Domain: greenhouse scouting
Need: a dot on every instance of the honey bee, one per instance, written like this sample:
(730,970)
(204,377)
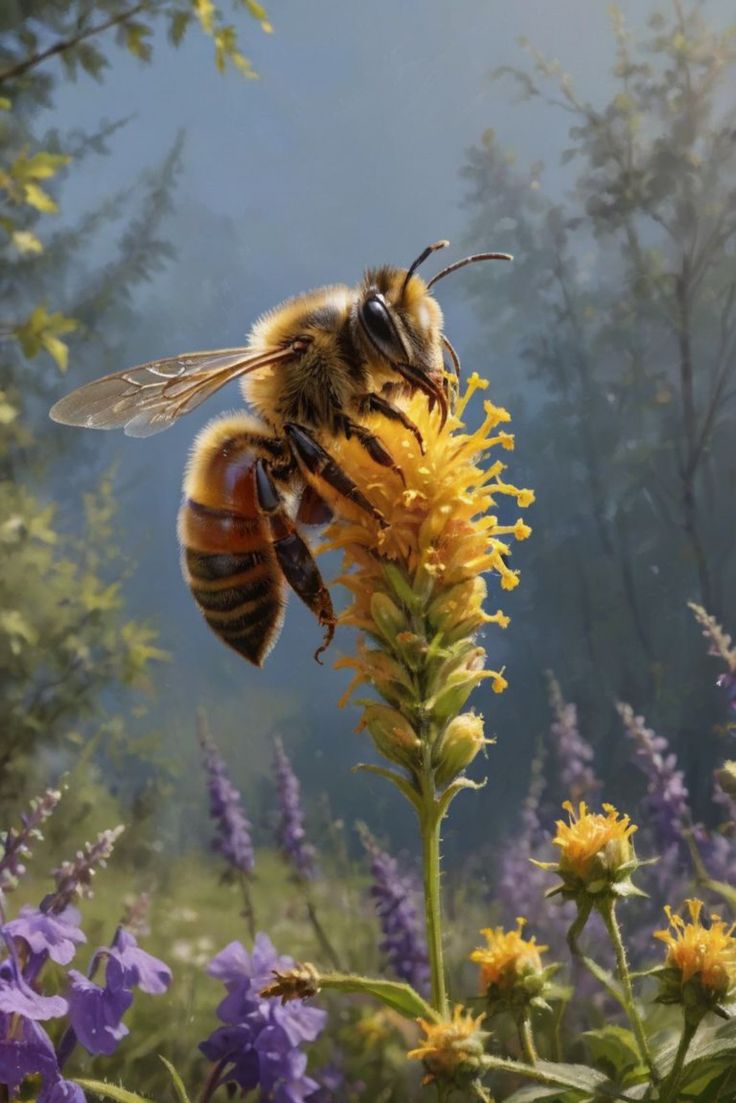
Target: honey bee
(313,368)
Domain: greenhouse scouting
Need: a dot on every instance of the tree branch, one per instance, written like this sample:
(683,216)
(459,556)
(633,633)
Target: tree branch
(65,44)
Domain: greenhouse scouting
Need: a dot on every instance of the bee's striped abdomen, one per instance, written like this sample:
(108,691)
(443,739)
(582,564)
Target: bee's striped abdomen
(227,555)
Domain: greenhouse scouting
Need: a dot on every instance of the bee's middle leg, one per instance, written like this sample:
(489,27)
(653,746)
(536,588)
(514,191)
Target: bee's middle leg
(293,555)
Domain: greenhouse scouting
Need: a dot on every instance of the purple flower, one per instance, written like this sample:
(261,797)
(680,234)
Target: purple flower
(574,754)
(62,1091)
(292,837)
(233,838)
(667,795)
(25,1050)
(55,934)
(17,844)
(96,1013)
(18,998)
(259,1044)
(395,894)
(140,969)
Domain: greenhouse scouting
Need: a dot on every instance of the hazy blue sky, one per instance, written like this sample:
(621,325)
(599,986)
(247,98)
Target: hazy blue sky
(345,153)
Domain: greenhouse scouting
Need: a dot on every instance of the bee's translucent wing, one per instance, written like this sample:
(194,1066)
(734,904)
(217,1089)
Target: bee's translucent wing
(149,398)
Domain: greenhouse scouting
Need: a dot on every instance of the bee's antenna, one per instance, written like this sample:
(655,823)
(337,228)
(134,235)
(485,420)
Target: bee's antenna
(467,260)
(420,260)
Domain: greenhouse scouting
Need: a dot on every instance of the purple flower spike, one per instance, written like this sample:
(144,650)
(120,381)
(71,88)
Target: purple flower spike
(96,1013)
(574,754)
(17,844)
(74,879)
(667,795)
(56,934)
(233,838)
(292,837)
(140,969)
(259,1045)
(395,895)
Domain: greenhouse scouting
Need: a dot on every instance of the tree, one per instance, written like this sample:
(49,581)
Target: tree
(624,295)
(67,650)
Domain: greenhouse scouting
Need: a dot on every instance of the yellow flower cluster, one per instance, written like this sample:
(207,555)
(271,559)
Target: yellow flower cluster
(696,951)
(452,1047)
(508,957)
(590,836)
(417,579)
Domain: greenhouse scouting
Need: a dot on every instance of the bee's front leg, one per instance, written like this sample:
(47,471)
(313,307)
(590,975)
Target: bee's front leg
(377,404)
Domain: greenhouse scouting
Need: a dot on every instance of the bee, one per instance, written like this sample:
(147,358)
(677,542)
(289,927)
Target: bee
(312,370)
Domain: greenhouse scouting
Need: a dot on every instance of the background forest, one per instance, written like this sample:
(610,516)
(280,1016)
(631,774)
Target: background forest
(156,197)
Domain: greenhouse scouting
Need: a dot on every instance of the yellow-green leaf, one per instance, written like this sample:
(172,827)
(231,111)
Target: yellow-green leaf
(26,242)
(36,197)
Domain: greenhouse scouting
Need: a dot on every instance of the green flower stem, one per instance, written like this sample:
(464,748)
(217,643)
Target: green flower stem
(601,975)
(248,913)
(430,820)
(526,1037)
(614,931)
(670,1088)
(323,938)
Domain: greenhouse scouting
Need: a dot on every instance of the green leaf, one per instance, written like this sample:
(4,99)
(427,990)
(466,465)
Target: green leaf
(181,1092)
(615,1046)
(178,26)
(111,1091)
(394,994)
(136,35)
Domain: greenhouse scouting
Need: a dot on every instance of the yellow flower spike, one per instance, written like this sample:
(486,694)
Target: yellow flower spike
(442,533)
(452,1048)
(700,963)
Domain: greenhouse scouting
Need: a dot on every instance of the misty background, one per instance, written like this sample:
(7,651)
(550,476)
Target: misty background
(353,148)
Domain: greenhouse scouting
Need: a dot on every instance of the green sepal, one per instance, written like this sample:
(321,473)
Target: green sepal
(111,1091)
(176,1080)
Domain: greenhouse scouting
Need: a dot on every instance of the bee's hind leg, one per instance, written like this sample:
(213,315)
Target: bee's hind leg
(294,557)
(314,460)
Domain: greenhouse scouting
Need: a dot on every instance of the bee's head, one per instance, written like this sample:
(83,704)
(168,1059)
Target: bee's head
(399,319)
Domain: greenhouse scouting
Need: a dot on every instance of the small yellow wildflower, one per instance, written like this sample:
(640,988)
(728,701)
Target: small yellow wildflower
(590,836)
(451,1049)
(705,954)
(508,957)
(597,855)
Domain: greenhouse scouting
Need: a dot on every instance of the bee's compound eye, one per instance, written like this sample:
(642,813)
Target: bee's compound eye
(377,321)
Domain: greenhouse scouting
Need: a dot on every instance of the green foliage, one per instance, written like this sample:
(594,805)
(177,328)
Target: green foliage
(65,642)
(622,303)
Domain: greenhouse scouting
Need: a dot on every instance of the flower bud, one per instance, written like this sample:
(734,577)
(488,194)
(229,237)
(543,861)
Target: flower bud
(392,734)
(726,778)
(459,744)
(387,616)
